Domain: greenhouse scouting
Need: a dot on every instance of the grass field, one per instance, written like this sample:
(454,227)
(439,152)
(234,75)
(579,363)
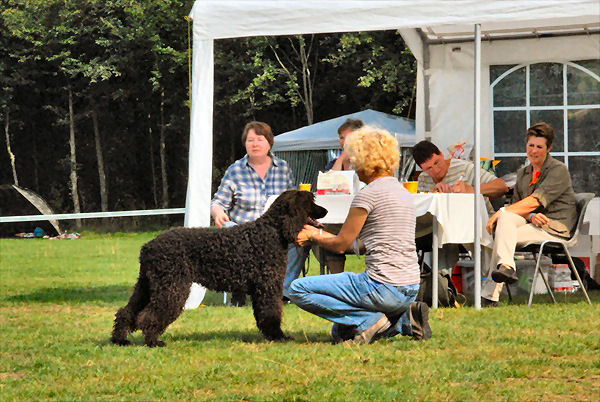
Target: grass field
(58,300)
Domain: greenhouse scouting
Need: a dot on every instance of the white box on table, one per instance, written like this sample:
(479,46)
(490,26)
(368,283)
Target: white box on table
(338,182)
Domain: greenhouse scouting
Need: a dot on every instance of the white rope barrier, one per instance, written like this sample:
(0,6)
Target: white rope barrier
(87,215)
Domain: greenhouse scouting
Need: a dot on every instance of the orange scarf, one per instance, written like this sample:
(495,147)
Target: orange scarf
(534,178)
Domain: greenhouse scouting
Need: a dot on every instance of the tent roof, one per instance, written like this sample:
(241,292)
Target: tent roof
(584,24)
(439,19)
(323,135)
(420,23)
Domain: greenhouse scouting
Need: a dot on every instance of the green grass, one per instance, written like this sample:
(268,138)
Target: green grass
(58,300)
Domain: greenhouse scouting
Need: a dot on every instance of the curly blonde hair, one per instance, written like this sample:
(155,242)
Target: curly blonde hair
(373,151)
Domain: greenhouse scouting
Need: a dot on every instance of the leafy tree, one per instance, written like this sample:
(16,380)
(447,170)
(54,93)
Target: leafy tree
(94,95)
(382,65)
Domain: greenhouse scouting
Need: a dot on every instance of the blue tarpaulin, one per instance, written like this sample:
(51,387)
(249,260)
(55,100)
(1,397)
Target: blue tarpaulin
(324,135)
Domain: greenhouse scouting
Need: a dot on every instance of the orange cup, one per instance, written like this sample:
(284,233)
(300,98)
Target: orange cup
(411,186)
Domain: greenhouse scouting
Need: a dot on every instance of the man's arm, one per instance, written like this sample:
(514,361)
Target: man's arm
(340,161)
(491,186)
(494,188)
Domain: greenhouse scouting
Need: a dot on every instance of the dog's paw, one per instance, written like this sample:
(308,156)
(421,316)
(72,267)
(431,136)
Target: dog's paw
(155,344)
(121,342)
(280,338)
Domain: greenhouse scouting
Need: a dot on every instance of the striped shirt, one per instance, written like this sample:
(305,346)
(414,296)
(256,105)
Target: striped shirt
(389,232)
(242,193)
(458,168)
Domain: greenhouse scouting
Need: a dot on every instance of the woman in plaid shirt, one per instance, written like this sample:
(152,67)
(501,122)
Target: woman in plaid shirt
(246,186)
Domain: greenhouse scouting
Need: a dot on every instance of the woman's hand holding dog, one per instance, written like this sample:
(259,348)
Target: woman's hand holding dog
(306,234)
(311,234)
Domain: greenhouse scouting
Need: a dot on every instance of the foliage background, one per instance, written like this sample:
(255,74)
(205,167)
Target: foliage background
(126,61)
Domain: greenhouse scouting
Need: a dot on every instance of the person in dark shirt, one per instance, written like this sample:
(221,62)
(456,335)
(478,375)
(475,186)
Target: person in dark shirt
(347,127)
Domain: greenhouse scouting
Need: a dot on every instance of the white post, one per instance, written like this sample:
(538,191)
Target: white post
(434,262)
(476,143)
(197,202)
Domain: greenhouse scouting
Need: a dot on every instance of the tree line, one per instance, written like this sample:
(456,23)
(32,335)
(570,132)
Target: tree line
(95,95)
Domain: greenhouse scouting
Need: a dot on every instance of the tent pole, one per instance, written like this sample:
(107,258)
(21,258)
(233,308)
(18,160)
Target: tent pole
(476,142)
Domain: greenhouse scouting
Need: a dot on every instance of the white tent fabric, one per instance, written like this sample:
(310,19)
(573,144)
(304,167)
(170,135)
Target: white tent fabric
(442,19)
(324,135)
(217,19)
(450,76)
(445,102)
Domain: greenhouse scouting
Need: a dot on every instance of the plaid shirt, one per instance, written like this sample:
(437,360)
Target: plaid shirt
(243,194)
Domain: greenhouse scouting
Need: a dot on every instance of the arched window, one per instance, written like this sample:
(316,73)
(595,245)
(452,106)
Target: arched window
(565,95)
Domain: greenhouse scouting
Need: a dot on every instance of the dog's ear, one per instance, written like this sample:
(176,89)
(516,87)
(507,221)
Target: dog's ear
(294,218)
(291,210)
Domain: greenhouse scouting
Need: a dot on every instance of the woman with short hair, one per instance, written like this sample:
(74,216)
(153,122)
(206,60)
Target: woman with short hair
(381,301)
(245,188)
(543,207)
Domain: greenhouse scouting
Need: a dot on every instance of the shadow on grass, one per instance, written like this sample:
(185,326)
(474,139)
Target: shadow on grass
(233,336)
(250,336)
(107,294)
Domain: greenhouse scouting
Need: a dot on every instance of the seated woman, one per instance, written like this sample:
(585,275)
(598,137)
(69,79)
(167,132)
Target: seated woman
(380,301)
(542,208)
(245,188)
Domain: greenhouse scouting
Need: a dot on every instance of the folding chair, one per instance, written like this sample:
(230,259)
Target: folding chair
(558,247)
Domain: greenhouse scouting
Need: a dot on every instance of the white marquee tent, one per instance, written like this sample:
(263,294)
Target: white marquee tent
(453,96)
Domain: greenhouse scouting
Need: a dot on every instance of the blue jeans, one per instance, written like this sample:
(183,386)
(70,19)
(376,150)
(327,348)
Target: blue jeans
(296,259)
(355,302)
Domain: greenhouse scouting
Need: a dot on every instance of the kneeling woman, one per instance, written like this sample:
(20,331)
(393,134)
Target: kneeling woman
(380,301)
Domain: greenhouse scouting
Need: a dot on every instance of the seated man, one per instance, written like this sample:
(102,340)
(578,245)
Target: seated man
(450,176)
(347,127)
(336,262)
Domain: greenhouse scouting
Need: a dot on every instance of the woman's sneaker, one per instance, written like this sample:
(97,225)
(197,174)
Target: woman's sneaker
(419,321)
(373,333)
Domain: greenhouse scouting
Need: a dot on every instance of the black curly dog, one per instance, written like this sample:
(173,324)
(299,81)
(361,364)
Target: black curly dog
(251,257)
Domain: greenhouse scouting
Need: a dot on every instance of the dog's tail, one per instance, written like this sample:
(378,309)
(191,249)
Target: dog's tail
(125,319)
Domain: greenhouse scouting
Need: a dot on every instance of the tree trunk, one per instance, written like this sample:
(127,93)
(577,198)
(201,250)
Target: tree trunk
(152,167)
(73,175)
(10,154)
(99,158)
(306,83)
(36,161)
(163,157)
(302,54)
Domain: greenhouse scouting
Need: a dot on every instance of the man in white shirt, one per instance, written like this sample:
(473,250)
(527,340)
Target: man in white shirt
(450,176)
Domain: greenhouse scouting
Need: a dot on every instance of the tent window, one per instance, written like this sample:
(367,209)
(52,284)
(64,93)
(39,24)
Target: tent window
(567,96)
(510,91)
(546,84)
(583,88)
(505,125)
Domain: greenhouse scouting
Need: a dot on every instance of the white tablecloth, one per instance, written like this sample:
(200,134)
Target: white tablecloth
(453,213)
